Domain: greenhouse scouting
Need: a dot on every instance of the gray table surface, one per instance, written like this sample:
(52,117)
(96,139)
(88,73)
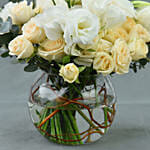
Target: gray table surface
(130,131)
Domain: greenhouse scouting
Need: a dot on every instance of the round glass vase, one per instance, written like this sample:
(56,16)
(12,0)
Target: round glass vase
(71,114)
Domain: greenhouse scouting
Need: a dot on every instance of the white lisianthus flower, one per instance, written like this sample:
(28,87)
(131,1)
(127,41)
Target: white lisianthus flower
(69,72)
(86,53)
(81,27)
(46,4)
(52,20)
(143,17)
(22,12)
(110,12)
(5,12)
(85,56)
(80,49)
(21,47)
(83,61)
(103,63)
(121,57)
(138,49)
(72,50)
(33,33)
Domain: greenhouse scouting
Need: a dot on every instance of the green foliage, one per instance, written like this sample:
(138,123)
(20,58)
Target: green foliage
(139,3)
(78,48)
(66,59)
(148,55)
(91,50)
(5,54)
(54,2)
(71,3)
(135,66)
(14,1)
(81,69)
(31,67)
(8,32)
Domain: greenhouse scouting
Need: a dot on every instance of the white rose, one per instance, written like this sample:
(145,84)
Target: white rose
(52,20)
(143,17)
(22,12)
(110,12)
(115,33)
(104,46)
(103,63)
(138,49)
(139,32)
(52,50)
(121,56)
(5,12)
(70,72)
(46,4)
(33,33)
(21,47)
(129,24)
(81,27)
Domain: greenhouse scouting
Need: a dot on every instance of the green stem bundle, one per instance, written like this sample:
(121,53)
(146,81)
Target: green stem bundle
(62,126)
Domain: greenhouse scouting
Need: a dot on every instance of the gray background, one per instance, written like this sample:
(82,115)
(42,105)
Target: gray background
(131,129)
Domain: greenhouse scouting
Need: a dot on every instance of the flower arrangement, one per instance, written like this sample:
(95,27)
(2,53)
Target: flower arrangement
(74,41)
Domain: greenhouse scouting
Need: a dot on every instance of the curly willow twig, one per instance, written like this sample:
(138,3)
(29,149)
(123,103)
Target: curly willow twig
(66,102)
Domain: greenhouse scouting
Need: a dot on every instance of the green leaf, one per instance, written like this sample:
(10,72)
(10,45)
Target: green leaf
(69,3)
(54,2)
(66,59)
(73,2)
(77,81)
(15,29)
(38,113)
(81,69)
(78,48)
(60,65)
(148,55)
(139,3)
(134,67)
(6,38)
(1,20)
(32,56)
(5,54)
(91,50)
(143,62)
(31,68)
